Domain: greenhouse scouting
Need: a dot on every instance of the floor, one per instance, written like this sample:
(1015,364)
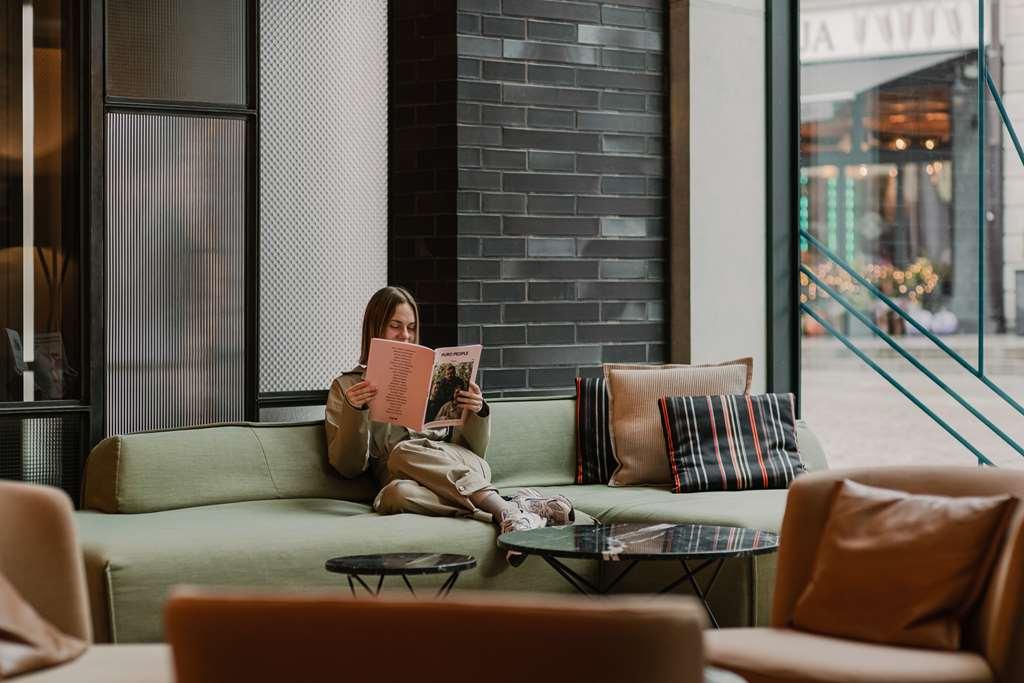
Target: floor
(862,420)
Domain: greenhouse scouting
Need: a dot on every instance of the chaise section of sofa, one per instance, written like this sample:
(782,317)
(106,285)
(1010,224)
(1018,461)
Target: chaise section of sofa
(258,505)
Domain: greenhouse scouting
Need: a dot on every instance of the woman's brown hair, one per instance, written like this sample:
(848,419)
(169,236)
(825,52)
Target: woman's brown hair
(379,310)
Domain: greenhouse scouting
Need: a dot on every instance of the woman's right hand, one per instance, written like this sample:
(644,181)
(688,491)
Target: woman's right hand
(360,394)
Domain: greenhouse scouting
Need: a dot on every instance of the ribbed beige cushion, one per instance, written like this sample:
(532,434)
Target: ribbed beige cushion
(638,442)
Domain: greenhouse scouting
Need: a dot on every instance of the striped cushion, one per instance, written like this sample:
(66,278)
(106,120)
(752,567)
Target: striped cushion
(731,443)
(594,461)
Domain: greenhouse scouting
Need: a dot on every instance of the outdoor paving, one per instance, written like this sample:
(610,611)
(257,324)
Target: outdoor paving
(863,421)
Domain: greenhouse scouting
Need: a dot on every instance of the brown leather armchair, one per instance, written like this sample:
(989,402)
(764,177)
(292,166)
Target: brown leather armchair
(221,636)
(40,556)
(993,634)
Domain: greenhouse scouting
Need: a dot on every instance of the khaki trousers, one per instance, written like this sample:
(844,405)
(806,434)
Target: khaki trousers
(433,478)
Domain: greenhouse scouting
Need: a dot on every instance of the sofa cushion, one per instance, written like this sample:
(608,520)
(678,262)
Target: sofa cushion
(730,443)
(182,468)
(533,441)
(132,560)
(594,459)
(635,421)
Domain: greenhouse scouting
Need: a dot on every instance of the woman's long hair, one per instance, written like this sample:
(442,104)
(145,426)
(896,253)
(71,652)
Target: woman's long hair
(378,313)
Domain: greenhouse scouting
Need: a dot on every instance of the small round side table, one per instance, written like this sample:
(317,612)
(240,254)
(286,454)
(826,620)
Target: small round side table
(355,567)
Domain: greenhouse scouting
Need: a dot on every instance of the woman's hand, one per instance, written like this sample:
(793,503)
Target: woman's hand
(472,399)
(360,394)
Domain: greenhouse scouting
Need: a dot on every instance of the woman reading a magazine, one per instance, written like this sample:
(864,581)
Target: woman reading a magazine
(439,472)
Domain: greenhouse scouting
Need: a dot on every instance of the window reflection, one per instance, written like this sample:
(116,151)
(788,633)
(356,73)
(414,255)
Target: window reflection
(886,184)
(40,274)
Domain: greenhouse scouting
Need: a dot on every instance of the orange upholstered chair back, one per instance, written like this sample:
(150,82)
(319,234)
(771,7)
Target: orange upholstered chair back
(39,555)
(996,629)
(466,637)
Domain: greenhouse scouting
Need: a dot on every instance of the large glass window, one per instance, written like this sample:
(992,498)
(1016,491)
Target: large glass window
(890,176)
(40,226)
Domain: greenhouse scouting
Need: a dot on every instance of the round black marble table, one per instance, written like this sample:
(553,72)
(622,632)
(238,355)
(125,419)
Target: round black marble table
(696,547)
(400,564)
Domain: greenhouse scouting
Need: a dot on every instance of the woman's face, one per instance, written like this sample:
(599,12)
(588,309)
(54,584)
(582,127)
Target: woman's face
(402,326)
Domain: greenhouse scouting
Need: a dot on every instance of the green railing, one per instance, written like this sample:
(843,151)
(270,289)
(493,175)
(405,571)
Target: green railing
(985,81)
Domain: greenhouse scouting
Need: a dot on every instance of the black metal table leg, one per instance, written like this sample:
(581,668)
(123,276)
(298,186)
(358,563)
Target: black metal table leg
(363,584)
(703,593)
(447,586)
(574,579)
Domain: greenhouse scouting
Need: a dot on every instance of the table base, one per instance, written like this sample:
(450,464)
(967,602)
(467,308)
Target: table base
(587,588)
(442,592)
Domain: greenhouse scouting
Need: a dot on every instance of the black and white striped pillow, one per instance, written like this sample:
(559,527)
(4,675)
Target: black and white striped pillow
(594,460)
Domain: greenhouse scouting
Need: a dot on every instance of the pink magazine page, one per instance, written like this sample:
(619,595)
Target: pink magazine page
(401,372)
(453,370)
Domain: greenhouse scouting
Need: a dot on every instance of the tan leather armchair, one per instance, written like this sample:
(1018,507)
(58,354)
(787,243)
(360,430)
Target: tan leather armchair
(40,556)
(993,635)
(221,637)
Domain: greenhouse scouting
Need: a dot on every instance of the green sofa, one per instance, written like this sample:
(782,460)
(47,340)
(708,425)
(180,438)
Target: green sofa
(258,505)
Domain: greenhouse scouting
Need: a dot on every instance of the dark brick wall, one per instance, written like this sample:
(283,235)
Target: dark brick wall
(423,161)
(526,188)
(560,188)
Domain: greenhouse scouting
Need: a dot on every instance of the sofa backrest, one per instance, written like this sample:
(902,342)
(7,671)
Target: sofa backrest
(533,441)
(215,464)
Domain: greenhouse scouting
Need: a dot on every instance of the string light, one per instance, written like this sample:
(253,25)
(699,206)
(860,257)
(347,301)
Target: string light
(915,282)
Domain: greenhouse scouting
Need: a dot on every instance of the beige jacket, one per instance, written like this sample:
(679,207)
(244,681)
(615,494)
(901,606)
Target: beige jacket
(355,444)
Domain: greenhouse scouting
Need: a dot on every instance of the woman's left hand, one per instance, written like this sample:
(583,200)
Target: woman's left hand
(472,400)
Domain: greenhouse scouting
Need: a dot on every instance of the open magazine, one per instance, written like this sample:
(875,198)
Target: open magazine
(417,385)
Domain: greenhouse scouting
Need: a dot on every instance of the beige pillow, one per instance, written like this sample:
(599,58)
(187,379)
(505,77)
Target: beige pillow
(901,569)
(638,441)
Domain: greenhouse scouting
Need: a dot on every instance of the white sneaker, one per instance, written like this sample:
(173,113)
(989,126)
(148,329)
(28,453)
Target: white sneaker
(557,510)
(520,520)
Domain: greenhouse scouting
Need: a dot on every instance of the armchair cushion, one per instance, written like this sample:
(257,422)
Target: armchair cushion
(776,655)
(901,569)
(27,641)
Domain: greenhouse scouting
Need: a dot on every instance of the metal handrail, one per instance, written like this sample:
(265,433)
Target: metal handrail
(892,380)
(1004,115)
(913,361)
(838,260)
(982,69)
(984,80)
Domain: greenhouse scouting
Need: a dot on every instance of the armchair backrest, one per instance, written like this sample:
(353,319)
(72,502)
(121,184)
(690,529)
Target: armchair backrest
(40,556)
(996,629)
(221,636)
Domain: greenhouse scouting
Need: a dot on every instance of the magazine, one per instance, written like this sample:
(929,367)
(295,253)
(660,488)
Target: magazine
(417,385)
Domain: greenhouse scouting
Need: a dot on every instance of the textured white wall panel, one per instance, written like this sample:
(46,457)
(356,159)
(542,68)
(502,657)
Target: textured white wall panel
(323,184)
(727,188)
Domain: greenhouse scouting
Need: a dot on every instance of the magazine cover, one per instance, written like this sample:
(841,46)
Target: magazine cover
(417,385)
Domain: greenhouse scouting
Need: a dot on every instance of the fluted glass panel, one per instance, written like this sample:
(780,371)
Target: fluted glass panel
(42,450)
(323,184)
(177,50)
(175,270)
